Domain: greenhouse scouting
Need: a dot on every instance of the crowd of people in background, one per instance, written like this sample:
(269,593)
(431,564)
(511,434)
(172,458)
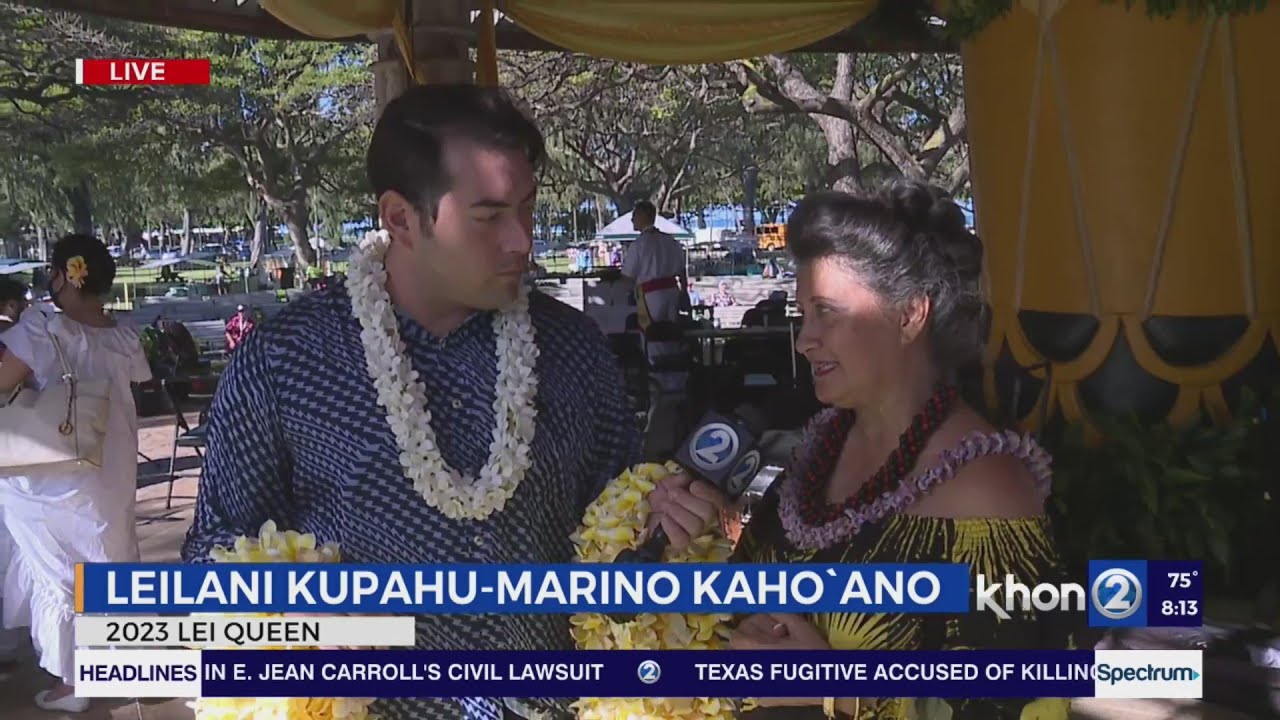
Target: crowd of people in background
(601,255)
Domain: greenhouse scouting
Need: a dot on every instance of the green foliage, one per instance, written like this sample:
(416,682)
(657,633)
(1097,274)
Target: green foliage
(51,129)
(293,116)
(967,18)
(288,122)
(1162,492)
(285,120)
(626,131)
(878,115)
(683,136)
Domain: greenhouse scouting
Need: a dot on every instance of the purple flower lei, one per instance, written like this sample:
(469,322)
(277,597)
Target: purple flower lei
(849,524)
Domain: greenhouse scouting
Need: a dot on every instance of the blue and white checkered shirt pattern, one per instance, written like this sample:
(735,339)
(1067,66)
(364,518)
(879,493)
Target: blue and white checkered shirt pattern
(296,436)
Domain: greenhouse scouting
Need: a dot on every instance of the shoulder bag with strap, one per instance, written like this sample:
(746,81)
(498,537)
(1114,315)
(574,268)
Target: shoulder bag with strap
(56,429)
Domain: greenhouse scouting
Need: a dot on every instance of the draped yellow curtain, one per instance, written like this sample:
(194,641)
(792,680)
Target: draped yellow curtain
(648,31)
(1125,171)
(344,18)
(334,18)
(672,32)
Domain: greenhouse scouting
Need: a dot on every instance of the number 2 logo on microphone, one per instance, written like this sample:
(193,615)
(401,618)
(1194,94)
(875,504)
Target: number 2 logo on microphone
(713,447)
(742,475)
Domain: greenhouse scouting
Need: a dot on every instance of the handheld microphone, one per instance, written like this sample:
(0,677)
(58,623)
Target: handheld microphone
(721,450)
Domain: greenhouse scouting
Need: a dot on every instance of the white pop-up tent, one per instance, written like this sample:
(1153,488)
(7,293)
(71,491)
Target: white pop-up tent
(8,267)
(622,229)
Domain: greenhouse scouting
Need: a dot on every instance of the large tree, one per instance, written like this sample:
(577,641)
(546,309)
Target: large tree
(287,117)
(879,113)
(287,114)
(291,115)
(788,155)
(626,131)
(49,123)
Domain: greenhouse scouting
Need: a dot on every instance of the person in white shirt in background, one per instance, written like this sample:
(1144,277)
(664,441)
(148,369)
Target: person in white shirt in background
(655,262)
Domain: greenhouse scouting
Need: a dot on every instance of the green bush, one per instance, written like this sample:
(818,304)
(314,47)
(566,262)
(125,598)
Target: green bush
(1196,492)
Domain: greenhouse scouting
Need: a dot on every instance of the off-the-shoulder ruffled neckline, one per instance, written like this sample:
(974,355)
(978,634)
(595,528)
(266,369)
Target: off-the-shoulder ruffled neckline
(891,504)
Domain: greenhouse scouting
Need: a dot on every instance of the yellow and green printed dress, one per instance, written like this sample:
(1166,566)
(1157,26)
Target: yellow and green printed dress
(996,547)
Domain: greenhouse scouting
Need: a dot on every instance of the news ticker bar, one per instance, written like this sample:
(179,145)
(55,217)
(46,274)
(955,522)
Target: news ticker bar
(214,631)
(1153,674)
(1119,593)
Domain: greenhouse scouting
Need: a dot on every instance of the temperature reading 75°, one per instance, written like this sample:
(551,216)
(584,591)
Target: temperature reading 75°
(1182,579)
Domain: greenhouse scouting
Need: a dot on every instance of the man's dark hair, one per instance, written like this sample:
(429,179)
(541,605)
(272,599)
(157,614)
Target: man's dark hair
(11,290)
(645,208)
(406,154)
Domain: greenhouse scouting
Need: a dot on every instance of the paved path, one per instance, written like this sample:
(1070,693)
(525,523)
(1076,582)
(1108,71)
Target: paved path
(161,540)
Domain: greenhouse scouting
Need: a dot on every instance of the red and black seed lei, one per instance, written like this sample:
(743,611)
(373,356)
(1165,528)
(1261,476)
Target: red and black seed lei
(814,508)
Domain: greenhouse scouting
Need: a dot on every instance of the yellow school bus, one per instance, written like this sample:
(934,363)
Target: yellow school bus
(771,237)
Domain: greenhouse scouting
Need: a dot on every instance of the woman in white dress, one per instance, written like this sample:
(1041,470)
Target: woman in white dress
(86,515)
(13,300)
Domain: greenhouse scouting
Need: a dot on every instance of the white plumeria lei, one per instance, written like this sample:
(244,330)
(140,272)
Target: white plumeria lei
(404,397)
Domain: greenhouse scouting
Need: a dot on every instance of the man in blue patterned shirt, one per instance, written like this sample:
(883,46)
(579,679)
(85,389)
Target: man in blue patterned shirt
(297,435)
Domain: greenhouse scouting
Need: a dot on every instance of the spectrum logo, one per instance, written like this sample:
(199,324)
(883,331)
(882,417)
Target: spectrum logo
(1151,674)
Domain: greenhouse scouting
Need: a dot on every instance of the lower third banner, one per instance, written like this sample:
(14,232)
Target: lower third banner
(628,673)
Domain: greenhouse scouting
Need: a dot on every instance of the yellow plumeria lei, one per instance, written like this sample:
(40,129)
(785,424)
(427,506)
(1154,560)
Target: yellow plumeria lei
(271,545)
(614,523)
(1046,709)
(77,271)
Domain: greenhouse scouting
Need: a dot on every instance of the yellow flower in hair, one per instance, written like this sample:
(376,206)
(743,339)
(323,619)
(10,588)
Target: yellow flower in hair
(77,271)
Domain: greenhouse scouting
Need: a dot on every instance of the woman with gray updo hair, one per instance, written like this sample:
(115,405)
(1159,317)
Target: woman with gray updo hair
(908,243)
(899,469)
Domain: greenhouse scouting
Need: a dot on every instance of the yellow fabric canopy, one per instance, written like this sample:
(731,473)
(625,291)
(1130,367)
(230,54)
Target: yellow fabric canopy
(649,31)
(334,18)
(671,32)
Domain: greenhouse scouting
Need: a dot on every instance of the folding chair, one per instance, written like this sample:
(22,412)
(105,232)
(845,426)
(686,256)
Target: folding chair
(668,380)
(628,349)
(184,434)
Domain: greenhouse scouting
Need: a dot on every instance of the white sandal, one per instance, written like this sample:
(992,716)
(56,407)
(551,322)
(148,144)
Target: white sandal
(67,703)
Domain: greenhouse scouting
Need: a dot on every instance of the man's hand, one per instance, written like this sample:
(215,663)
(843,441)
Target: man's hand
(684,507)
(778,631)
